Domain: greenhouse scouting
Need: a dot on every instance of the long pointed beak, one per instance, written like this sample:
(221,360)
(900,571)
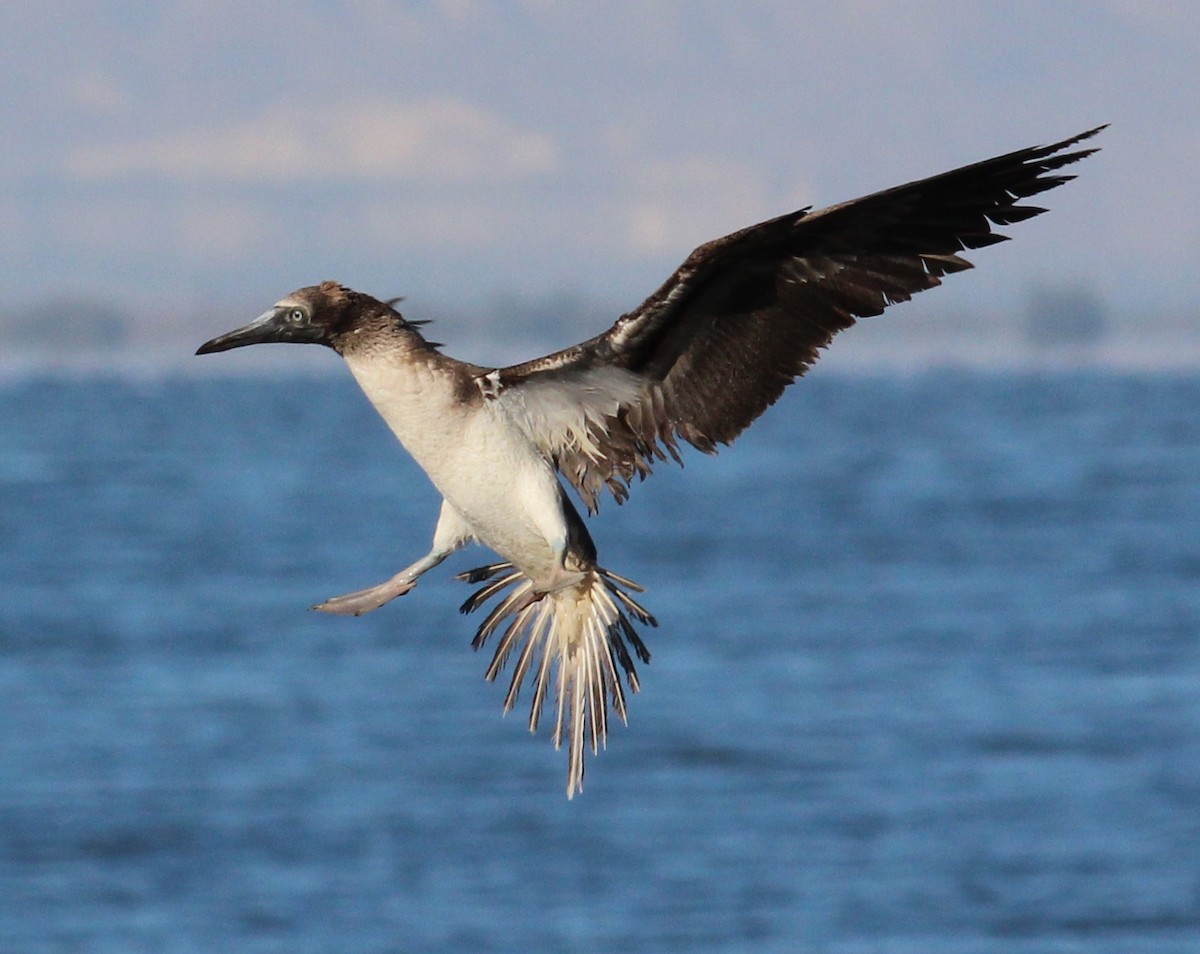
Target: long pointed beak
(265,328)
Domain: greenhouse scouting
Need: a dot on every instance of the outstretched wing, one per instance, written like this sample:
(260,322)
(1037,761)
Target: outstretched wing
(747,314)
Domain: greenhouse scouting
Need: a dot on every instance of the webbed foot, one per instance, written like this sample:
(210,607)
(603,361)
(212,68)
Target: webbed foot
(363,601)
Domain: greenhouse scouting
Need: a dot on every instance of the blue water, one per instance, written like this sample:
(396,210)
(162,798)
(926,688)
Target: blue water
(927,680)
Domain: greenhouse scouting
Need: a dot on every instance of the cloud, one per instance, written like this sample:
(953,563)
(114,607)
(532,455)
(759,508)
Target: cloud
(434,140)
(196,229)
(683,201)
(100,94)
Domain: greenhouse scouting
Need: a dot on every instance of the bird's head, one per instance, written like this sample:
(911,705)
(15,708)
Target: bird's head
(318,314)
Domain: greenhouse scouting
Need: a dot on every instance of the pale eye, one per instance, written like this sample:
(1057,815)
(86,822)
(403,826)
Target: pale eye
(297,315)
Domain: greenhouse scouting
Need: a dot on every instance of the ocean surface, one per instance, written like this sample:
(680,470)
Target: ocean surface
(927,680)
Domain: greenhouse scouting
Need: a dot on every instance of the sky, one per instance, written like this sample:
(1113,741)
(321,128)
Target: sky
(201,158)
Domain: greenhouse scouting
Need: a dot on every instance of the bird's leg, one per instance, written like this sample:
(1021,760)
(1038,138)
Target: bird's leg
(451,534)
(564,532)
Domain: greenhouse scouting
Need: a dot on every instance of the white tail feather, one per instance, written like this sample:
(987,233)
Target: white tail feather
(583,633)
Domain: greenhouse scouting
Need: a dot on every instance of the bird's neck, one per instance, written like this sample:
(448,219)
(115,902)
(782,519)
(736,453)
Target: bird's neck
(421,394)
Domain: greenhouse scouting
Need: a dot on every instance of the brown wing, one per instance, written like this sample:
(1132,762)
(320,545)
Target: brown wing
(747,314)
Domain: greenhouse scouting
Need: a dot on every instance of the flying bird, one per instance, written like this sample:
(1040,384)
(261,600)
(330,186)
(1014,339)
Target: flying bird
(697,362)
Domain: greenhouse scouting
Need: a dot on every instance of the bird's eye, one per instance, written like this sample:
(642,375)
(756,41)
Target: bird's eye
(297,315)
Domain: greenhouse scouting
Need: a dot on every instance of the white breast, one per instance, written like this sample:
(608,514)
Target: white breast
(477,456)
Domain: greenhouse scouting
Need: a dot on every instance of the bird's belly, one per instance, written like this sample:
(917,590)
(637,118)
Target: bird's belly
(505,490)
(511,499)
(478,458)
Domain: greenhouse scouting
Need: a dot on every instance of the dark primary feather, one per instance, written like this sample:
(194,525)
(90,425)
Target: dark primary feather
(748,313)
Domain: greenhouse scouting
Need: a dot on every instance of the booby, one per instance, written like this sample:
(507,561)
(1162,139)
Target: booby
(698,361)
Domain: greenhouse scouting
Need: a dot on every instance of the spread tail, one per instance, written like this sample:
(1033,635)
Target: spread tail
(581,634)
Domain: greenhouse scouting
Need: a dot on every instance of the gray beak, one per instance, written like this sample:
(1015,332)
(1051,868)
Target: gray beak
(275,325)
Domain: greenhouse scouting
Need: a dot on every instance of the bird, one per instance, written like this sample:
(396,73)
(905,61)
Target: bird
(696,363)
